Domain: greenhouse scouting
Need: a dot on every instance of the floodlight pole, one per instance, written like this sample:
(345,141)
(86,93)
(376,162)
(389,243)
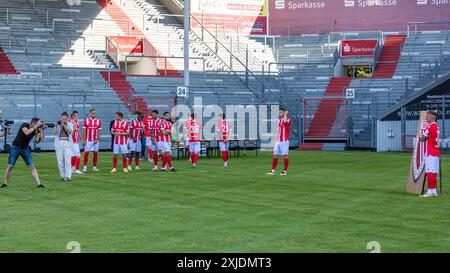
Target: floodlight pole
(187,26)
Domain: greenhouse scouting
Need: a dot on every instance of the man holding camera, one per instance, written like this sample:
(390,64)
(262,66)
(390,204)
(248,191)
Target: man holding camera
(20,147)
(63,146)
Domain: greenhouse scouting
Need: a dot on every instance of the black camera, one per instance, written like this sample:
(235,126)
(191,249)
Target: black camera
(6,123)
(49,125)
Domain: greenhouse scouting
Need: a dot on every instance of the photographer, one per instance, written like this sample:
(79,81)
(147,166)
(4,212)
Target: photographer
(63,146)
(20,147)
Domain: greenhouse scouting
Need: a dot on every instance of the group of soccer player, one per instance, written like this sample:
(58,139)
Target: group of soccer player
(157,132)
(128,136)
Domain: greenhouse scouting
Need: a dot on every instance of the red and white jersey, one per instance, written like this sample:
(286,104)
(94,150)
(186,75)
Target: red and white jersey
(195,129)
(151,127)
(283,130)
(432,134)
(166,126)
(224,127)
(136,129)
(76,132)
(120,127)
(92,127)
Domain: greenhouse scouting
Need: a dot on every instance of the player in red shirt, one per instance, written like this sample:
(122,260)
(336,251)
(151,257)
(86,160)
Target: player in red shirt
(224,131)
(195,130)
(121,131)
(75,143)
(164,141)
(431,136)
(92,128)
(282,142)
(186,133)
(136,127)
(152,131)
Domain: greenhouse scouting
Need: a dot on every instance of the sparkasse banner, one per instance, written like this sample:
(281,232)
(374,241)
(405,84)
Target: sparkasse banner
(354,48)
(308,16)
(232,16)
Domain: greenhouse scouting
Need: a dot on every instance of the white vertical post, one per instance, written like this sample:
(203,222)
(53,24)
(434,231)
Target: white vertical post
(187,26)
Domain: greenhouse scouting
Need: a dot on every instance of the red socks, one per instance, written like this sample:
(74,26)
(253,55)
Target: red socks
(77,163)
(286,163)
(94,160)
(155,159)
(136,159)
(114,162)
(169,160)
(86,158)
(190,155)
(194,158)
(164,161)
(150,152)
(432,181)
(225,156)
(130,159)
(124,161)
(72,161)
(274,163)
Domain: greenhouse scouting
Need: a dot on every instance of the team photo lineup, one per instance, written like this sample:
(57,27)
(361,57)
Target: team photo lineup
(221,133)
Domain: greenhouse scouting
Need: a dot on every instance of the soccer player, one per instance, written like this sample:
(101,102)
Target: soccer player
(121,132)
(92,128)
(195,129)
(152,130)
(224,131)
(186,133)
(431,136)
(164,141)
(75,143)
(282,142)
(136,126)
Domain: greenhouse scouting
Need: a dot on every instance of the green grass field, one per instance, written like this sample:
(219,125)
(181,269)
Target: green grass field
(329,202)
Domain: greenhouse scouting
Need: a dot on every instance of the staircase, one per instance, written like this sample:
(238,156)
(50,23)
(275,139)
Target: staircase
(131,29)
(124,91)
(326,113)
(6,67)
(390,54)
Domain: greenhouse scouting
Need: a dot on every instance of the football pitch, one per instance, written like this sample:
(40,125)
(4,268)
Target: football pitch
(329,202)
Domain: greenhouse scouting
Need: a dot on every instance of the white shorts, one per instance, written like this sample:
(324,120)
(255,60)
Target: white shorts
(135,146)
(432,164)
(194,147)
(281,148)
(120,149)
(149,143)
(224,146)
(164,147)
(75,150)
(91,146)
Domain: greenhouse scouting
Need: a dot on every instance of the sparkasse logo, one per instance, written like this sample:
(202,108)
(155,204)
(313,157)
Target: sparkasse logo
(280,4)
(436,3)
(422,2)
(373,3)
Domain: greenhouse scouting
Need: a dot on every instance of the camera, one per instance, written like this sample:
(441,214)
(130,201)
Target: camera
(6,123)
(48,125)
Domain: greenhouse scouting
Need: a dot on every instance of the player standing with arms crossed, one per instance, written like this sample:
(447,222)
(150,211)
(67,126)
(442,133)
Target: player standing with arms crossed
(92,128)
(224,131)
(136,127)
(431,136)
(75,143)
(121,132)
(164,141)
(195,129)
(282,142)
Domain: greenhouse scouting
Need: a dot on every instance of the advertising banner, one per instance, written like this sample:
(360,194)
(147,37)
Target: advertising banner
(312,16)
(355,48)
(245,17)
(128,44)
